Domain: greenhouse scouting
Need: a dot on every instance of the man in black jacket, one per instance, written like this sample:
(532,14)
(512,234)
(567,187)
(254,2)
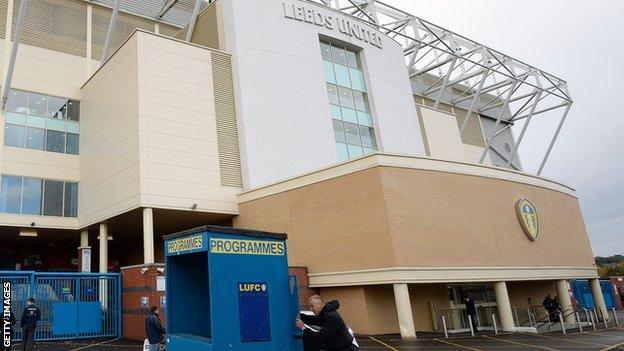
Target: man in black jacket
(30,316)
(471,310)
(333,334)
(154,329)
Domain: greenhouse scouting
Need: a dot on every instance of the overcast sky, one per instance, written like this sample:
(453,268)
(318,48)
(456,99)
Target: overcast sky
(581,42)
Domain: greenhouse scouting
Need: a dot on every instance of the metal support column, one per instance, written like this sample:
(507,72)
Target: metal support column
(489,139)
(444,83)
(109,34)
(191,26)
(16,39)
(554,139)
(524,128)
(473,102)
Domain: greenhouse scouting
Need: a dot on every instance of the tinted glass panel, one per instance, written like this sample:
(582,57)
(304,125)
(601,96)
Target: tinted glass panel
(53,198)
(339,55)
(73,110)
(351,130)
(349,115)
(361,101)
(37,104)
(326,51)
(13,135)
(31,200)
(368,136)
(346,99)
(73,144)
(338,130)
(55,141)
(342,152)
(342,75)
(16,101)
(71,200)
(332,92)
(57,107)
(10,194)
(355,151)
(352,59)
(357,80)
(329,72)
(35,138)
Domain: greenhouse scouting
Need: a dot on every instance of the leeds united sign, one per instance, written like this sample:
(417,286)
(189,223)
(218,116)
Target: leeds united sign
(332,21)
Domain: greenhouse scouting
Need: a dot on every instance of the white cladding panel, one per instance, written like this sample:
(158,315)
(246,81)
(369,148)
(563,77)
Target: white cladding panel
(282,104)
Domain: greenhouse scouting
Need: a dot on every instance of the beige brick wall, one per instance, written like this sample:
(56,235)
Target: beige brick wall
(398,217)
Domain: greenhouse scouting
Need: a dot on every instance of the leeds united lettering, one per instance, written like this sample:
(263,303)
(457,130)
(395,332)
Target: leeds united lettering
(332,21)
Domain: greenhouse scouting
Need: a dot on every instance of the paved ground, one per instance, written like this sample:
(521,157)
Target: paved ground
(600,340)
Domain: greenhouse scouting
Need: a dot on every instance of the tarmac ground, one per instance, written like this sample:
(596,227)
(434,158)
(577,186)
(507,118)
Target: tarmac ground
(599,340)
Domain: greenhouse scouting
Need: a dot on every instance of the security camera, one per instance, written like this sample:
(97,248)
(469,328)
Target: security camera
(160,270)
(32,224)
(193,206)
(144,270)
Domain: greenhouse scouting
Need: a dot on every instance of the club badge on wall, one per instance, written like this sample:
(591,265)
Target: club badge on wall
(528,217)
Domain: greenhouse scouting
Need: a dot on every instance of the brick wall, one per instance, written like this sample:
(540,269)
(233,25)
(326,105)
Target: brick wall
(137,284)
(304,285)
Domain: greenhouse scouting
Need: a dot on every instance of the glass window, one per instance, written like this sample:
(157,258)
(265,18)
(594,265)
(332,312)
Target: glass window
(13,135)
(342,75)
(57,107)
(335,111)
(330,77)
(346,99)
(368,150)
(37,104)
(326,51)
(349,115)
(339,55)
(352,59)
(73,110)
(16,101)
(368,136)
(73,144)
(365,118)
(35,138)
(31,198)
(53,198)
(71,200)
(361,101)
(332,91)
(357,79)
(10,194)
(55,141)
(343,155)
(355,151)
(351,130)
(338,130)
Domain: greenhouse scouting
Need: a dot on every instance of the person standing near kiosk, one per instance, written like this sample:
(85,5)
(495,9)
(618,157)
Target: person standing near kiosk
(333,334)
(30,316)
(154,329)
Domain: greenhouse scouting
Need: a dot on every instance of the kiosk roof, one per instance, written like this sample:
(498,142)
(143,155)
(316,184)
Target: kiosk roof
(227,230)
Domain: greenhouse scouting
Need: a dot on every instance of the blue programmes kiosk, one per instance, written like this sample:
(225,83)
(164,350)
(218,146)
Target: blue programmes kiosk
(229,289)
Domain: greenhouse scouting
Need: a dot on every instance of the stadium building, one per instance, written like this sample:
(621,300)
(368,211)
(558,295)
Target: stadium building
(380,143)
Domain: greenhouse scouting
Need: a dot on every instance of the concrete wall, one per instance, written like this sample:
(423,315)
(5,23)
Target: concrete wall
(520,292)
(283,106)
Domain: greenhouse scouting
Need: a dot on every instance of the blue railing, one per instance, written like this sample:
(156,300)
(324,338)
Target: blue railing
(73,305)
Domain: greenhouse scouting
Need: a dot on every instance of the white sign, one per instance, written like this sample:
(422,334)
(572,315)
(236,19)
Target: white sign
(160,283)
(332,21)
(86,260)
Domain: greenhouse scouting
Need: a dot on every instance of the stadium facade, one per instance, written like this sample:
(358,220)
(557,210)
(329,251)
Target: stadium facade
(380,143)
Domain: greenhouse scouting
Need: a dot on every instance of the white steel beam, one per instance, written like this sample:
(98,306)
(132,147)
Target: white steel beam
(16,38)
(554,139)
(514,150)
(109,33)
(191,26)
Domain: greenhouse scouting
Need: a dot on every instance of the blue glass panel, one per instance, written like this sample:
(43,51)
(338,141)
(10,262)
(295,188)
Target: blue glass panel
(35,138)
(15,118)
(10,194)
(352,133)
(349,115)
(368,136)
(38,122)
(357,80)
(343,155)
(365,118)
(55,141)
(13,135)
(329,72)
(335,111)
(368,150)
(72,144)
(73,127)
(31,201)
(355,151)
(71,200)
(338,130)
(53,198)
(56,124)
(342,75)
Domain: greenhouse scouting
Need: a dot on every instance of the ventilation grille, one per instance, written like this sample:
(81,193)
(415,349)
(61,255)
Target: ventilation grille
(227,130)
(125,26)
(59,25)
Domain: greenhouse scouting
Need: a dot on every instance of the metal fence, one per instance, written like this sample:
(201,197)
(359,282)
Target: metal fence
(73,305)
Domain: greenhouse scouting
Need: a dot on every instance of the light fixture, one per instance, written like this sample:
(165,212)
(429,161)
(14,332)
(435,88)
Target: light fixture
(110,238)
(193,206)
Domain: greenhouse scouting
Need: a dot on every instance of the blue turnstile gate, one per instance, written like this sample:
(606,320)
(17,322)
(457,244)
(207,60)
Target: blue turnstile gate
(73,305)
